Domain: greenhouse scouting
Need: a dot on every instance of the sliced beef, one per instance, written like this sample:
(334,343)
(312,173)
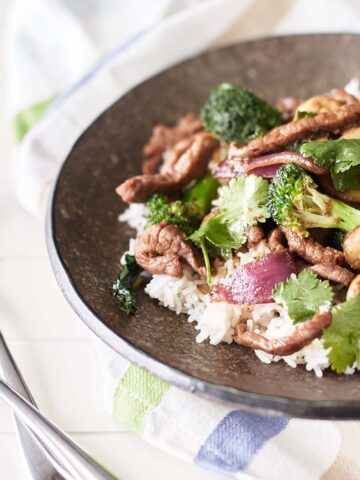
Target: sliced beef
(254,235)
(276,239)
(191,163)
(343,97)
(179,149)
(164,138)
(334,273)
(151,164)
(302,336)
(310,250)
(291,132)
(163,249)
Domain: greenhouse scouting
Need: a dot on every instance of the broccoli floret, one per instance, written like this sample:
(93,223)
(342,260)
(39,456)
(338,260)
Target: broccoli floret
(294,201)
(236,114)
(187,216)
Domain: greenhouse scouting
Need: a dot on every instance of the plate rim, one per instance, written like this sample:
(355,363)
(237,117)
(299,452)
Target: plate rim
(247,401)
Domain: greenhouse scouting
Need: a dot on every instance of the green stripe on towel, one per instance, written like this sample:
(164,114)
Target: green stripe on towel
(138,392)
(25,120)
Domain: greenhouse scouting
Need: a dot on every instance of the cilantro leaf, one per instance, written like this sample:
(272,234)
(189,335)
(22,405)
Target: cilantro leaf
(243,203)
(245,200)
(217,232)
(343,335)
(341,157)
(304,295)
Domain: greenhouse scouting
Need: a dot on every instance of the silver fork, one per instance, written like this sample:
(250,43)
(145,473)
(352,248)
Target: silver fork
(57,447)
(34,453)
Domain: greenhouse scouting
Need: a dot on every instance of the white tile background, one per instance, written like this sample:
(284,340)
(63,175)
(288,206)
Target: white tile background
(54,350)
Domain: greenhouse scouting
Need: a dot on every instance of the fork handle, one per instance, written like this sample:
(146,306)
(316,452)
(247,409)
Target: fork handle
(75,460)
(41,465)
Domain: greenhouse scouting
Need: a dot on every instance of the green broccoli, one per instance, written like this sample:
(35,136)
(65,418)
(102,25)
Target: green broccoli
(236,114)
(294,201)
(187,216)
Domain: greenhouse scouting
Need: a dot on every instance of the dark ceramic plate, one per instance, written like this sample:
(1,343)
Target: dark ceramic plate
(85,239)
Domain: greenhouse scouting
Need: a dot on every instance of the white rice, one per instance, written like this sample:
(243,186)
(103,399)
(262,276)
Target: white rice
(130,251)
(135,216)
(257,251)
(181,295)
(217,321)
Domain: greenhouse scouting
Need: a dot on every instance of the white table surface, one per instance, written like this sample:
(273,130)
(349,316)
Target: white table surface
(54,350)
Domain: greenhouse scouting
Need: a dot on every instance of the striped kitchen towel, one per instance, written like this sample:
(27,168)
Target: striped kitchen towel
(66,62)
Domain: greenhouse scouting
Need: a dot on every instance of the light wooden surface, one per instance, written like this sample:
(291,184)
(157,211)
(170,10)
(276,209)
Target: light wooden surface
(54,349)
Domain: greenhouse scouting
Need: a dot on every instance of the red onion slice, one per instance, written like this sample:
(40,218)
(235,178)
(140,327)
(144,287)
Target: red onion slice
(266,172)
(286,157)
(254,282)
(230,168)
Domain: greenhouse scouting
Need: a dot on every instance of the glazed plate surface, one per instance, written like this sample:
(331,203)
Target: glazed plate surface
(85,240)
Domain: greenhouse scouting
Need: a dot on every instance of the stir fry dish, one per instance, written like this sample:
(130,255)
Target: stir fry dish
(247,219)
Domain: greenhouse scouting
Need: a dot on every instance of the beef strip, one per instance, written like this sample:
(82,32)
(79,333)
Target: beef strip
(343,97)
(164,138)
(190,164)
(151,164)
(163,249)
(291,132)
(276,239)
(179,149)
(302,336)
(254,235)
(334,273)
(312,251)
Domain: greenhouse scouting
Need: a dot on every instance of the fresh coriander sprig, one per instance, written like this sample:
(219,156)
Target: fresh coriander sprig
(242,204)
(303,296)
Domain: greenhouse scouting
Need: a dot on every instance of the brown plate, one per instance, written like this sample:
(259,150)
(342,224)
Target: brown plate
(85,240)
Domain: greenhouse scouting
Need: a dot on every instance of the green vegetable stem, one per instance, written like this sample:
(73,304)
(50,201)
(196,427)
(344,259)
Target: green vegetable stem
(202,192)
(295,202)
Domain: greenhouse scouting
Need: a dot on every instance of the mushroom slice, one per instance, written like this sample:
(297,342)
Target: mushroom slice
(351,246)
(354,289)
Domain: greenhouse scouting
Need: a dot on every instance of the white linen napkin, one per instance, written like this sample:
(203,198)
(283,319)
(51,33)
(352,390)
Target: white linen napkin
(66,62)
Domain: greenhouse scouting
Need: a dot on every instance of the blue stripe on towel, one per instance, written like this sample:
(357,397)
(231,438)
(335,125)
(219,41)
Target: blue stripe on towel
(236,439)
